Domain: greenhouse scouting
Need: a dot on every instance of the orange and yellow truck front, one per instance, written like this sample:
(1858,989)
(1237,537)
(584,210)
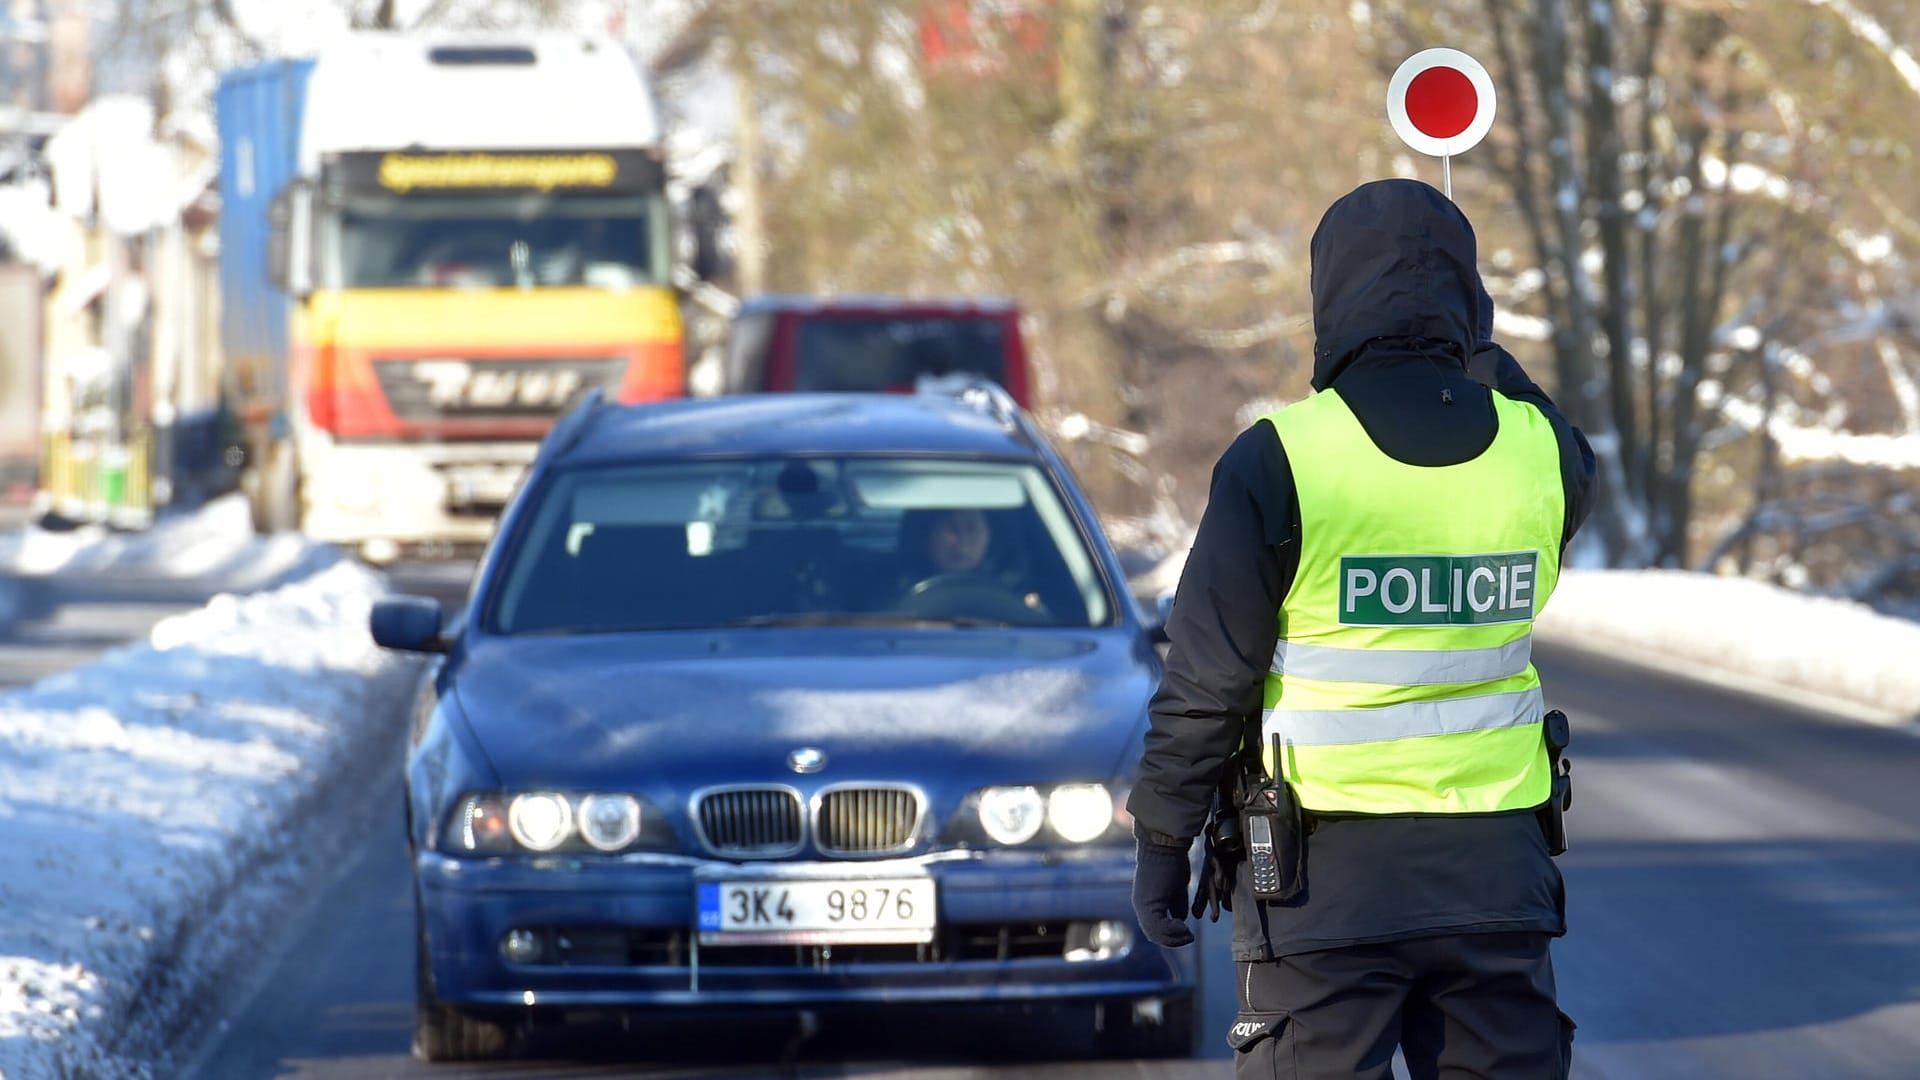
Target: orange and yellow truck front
(450,286)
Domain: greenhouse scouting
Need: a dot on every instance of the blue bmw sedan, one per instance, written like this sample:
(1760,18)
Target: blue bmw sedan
(784,702)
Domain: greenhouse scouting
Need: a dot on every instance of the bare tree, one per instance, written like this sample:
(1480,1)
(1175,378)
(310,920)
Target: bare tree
(1681,210)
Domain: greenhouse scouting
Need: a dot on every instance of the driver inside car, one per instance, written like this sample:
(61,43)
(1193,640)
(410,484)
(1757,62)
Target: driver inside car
(952,570)
(958,540)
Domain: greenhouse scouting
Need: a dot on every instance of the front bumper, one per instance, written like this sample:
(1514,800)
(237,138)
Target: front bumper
(996,913)
(408,493)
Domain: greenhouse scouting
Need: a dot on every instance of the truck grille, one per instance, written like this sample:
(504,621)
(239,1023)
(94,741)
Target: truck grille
(866,820)
(444,388)
(751,822)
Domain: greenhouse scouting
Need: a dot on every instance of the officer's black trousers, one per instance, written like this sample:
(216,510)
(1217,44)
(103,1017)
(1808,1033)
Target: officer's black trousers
(1475,1006)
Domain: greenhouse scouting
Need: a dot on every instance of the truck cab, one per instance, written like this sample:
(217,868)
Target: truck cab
(873,343)
(432,247)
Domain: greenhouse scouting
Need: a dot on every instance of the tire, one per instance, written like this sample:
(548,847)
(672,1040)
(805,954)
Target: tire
(444,1033)
(273,491)
(1172,1037)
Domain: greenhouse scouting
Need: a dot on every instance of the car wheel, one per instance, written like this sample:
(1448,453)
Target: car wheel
(444,1033)
(1130,1035)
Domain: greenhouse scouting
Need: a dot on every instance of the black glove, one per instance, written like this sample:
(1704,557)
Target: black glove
(1215,893)
(1160,876)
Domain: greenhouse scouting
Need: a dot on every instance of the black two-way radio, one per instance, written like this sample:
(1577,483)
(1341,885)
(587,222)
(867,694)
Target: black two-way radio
(1261,859)
(1274,835)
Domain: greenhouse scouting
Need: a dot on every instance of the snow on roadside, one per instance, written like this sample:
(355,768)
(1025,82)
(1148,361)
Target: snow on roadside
(138,791)
(1745,629)
(216,541)
(160,806)
(1723,629)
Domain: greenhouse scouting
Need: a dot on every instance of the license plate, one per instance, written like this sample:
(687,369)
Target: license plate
(489,485)
(872,911)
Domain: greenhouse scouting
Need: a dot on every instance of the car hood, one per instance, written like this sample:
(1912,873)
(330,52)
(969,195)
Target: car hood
(648,711)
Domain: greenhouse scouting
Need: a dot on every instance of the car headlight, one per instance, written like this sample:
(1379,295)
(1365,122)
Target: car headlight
(1012,815)
(550,821)
(1073,814)
(541,821)
(480,825)
(609,822)
(1080,812)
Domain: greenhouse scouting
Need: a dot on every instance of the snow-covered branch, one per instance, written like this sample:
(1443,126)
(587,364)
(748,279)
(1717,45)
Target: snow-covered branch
(1868,29)
(1161,278)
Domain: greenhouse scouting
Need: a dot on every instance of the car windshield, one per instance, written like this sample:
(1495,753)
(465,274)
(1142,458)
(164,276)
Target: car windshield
(389,242)
(782,541)
(868,354)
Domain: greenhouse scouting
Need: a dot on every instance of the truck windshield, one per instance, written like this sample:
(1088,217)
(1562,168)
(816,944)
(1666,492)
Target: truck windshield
(798,541)
(522,241)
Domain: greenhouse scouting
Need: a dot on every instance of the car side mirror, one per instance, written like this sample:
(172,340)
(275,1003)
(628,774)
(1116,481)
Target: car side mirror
(408,623)
(1162,611)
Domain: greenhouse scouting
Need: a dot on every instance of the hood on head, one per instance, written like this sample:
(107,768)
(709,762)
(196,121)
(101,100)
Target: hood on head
(1394,259)
(1486,311)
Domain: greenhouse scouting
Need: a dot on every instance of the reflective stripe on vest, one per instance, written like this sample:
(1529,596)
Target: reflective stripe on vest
(1407,720)
(1403,667)
(1402,681)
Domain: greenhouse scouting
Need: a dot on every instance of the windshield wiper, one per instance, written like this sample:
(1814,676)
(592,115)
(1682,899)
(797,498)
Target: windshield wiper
(823,618)
(798,619)
(585,629)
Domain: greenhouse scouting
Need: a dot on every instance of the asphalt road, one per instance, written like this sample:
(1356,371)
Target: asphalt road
(334,999)
(1744,898)
(1744,886)
(70,622)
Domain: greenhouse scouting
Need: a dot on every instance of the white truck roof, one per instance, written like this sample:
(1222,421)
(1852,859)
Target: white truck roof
(524,91)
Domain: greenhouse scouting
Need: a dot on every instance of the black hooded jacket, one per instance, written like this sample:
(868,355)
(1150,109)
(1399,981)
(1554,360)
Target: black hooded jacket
(1400,317)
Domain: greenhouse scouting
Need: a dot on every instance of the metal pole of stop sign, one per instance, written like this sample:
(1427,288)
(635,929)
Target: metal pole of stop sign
(1462,84)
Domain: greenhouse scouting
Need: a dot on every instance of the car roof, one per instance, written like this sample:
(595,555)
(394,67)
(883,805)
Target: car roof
(779,423)
(875,304)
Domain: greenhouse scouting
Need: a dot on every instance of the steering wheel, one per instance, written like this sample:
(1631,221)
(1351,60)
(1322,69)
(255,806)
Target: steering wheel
(963,594)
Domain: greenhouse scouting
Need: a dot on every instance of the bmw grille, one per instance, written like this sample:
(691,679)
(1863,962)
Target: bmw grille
(752,822)
(866,820)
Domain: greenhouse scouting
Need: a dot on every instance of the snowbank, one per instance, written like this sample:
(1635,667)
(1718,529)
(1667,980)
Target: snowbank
(1835,654)
(1735,629)
(216,542)
(142,794)
(164,807)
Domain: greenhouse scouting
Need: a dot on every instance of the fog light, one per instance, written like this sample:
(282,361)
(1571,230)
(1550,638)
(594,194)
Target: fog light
(379,551)
(1096,941)
(522,947)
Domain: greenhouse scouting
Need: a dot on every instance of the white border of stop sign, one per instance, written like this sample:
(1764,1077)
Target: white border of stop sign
(1419,140)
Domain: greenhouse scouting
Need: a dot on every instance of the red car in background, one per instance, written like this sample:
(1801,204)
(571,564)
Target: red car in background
(873,343)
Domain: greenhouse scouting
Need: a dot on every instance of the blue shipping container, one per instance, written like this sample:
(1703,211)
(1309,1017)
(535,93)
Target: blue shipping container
(257,112)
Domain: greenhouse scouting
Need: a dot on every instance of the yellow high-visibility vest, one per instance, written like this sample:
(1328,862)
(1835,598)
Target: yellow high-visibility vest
(1403,681)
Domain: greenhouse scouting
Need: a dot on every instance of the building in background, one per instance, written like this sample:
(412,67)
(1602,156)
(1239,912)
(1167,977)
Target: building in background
(131,417)
(39,70)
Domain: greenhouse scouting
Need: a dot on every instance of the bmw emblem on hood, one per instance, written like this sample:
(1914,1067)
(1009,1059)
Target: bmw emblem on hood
(807,759)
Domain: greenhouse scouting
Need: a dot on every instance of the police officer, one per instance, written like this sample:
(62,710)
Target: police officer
(1359,598)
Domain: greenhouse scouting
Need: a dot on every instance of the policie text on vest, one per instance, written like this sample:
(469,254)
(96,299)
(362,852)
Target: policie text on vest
(1437,590)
